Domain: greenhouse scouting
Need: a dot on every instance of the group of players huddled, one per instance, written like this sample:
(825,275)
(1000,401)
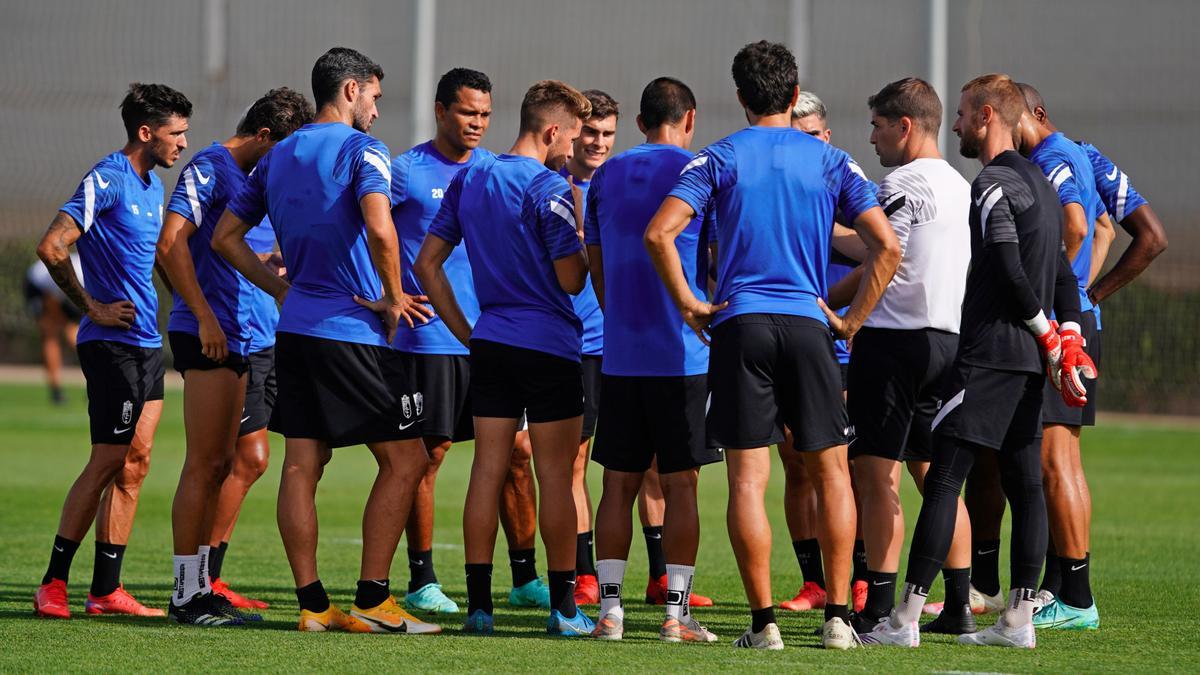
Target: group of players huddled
(685,308)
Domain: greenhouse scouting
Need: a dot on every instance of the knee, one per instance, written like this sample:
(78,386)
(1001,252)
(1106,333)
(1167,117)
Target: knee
(521,456)
(679,484)
(250,467)
(137,466)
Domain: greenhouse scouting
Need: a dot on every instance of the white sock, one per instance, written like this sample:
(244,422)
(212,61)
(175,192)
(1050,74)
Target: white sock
(610,574)
(187,578)
(679,590)
(909,609)
(1019,610)
(203,573)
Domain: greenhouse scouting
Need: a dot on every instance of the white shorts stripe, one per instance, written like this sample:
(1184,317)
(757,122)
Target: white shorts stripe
(948,407)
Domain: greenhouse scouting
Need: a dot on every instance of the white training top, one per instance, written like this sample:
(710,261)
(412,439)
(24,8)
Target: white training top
(39,277)
(928,204)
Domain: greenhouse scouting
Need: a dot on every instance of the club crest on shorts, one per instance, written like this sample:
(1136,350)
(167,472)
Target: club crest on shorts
(419,402)
(406,405)
(126,412)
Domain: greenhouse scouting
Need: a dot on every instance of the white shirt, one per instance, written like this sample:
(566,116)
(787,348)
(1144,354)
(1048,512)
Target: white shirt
(928,204)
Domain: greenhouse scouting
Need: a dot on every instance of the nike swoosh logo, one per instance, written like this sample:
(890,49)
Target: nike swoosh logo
(402,628)
(201,177)
(245,418)
(111,555)
(405,426)
(381,583)
(983,196)
(58,548)
(1113,175)
(121,431)
(880,583)
(418,563)
(522,560)
(987,552)
(101,182)
(1076,568)
(656,536)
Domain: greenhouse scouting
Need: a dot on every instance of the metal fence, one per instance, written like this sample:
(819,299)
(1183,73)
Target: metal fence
(1118,74)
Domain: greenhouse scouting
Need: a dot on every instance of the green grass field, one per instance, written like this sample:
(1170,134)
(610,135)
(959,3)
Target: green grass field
(1145,482)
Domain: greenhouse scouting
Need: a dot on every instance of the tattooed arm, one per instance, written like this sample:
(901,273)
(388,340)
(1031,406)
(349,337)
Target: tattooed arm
(55,252)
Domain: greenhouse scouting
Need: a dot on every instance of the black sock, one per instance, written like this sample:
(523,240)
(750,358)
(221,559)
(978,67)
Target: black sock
(479,587)
(1076,589)
(808,554)
(881,595)
(562,592)
(958,587)
(523,564)
(860,562)
(843,611)
(60,559)
(1052,578)
(985,566)
(654,551)
(216,560)
(420,570)
(371,593)
(313,597)
(759,618)
(584,563)
(106,572)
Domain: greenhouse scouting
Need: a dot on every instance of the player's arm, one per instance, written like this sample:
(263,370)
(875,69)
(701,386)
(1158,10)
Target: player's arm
(1149,241)
(883,257)
(229,240)
(1075,228)
(1101,243)
(175,262)
(430,272)
(385,253)
(847,242)
(55,252)
(589,218)
(671,219)
(596,267)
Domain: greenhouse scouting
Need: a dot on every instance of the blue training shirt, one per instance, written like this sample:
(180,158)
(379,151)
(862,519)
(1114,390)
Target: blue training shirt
(1069,170)
(204,188)
(310,185)
(774,192)
(517,217)
(120,215)
(264,313)
(419,181)
(587,306)
(645,334)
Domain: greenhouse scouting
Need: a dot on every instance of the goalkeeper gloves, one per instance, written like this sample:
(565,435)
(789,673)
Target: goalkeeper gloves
(1046,333)
(1075,365)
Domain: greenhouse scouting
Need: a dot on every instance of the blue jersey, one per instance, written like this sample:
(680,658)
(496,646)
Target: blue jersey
(645,334)
(1116,192)
(120,215)
(839,267)
(516,217)
(1068,169)
(419,181)
(205,187)
(310,184)
(587,306)
(774,192)
(264,313)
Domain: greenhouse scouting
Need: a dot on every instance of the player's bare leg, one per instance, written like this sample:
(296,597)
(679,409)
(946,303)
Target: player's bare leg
(304,461)
(836,518)
(800,512)
(118,504)
(402,466)
(250,459)
(749,471)
(1069,507)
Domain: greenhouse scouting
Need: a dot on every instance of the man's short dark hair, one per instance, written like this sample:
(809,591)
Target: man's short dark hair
(603,105)
(665,101)
(282,110)
(999,91)
(766,77)
(335,67)
(151,105)
(460,78)
(1033,97)
(910,97)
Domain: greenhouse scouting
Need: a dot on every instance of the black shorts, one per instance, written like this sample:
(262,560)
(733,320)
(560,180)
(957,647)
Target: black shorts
(260,391)
(444,381)
(895,381)
(844,369)
(642,418)
(771,370)
(592,379)
(1054,409)
(187,355)
(997,409)
(343,393)
(509,381)
(120,379)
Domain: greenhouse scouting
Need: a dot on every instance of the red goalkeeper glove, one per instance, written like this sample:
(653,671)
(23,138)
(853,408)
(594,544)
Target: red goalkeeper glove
(1076,365)
(1046,333)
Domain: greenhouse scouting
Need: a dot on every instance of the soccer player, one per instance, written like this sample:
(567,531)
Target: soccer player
(1006,348)
(517,218)
(590,150)
(907,345)
(115,216)
(327,190)
(772,361)
(57,319)
(463,110)
(210,339)
(655,390)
